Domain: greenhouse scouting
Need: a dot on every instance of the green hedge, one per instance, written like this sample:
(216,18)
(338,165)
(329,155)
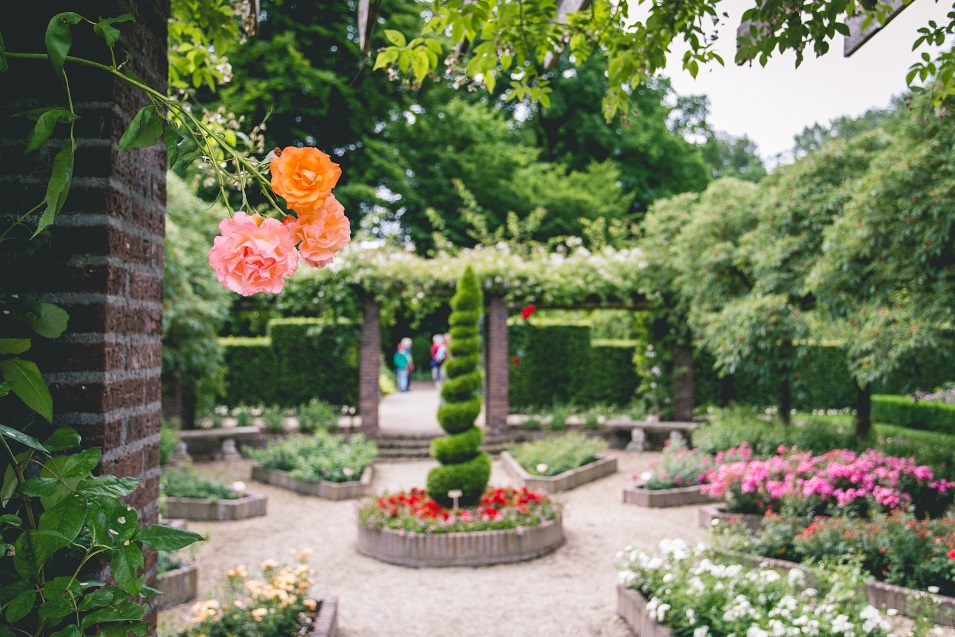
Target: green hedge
(301,359)
(612,379)
(550,362)
(250,370)
(907,412)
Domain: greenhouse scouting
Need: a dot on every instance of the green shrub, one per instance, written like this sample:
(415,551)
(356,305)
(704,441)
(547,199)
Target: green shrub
(733,426)
(464,466)
(273,419)
(243,417)
(168,561)
(251,373)
(612,378)
(533,423)
(937,450)
(558,418)
(315,415)
(678,467)
(316,358)
(918,414)
(322,456)
(550,363)
(186,483)
(168,439)
(551,456)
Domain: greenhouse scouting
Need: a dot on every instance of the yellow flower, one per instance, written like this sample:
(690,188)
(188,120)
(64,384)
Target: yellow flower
(259,613)
(310,604)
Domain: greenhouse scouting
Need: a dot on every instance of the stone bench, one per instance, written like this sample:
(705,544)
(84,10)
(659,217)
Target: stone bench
(639,429)
(222,440)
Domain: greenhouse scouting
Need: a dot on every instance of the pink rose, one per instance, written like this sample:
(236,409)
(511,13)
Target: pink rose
(253,254)
(322,233)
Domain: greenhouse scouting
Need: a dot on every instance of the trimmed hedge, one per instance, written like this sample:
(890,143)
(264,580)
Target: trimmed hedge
(550,362)
(301,359)
(918,414)
(612,379)
(250,371)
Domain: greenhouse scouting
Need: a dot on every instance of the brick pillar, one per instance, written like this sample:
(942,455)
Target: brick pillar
(103,262)
(369,361)
(682,383)
(496,404)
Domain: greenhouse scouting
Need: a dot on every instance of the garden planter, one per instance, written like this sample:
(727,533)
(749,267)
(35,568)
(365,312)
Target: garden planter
(248,506)
(325,623)
(322,489)
(566,481)
(632,607)
(178,586)
(662,498)
(477,548)
(752,522)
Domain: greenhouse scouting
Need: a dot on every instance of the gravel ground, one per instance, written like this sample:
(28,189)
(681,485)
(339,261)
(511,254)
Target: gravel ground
(568,593)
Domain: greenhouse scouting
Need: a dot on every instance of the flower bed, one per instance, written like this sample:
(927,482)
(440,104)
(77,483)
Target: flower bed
(185,495)
(275,605)
(411,529)
(838,483)
(599,468)
(321,489)
(691,593)
(178,582)
(674,480)
(642,495)
(718,514)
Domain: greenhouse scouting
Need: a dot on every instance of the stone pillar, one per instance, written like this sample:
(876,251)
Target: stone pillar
(496,403)
(103,261)
(369,362)
(682,383)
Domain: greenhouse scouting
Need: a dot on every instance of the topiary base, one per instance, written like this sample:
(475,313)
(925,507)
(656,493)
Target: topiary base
(477,548)
(470,478)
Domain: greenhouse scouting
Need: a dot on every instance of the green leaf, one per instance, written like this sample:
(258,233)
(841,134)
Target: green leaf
(149,591)
(59,186)
(14,345)
(45,124)
(59,39)
(62,439)
(5,388)
(166,538)
(108,32)
(60,594)
(10,484)
(122,611)
(28,385)
(66,518)
(33,548)
(79,465)
(10,519)
(111,522)
(41,487)
(21,606)
(107,486)
(386,57)
(22,438)
(144,131)
(48,320)
(3,56)
(97,599)
(172,138)
(396,37)
(69,631)
(127,558)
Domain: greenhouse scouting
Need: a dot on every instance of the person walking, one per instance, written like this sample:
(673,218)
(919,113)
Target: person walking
(404,364)
(439,352)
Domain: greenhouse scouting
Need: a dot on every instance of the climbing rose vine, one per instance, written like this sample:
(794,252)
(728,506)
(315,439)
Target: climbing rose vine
(256,254)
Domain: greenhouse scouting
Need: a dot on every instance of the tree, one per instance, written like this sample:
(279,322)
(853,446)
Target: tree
(887,262)
(464,467)
(513,40)
(845,127)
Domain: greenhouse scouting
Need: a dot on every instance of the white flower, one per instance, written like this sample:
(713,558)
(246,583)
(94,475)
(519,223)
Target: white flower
(796,577)
(691,615)
(702,631)
(662,612)
(933,590)
(892,612)
(756,631)
(769,576)
(238,486)
(841,624)
(668,578)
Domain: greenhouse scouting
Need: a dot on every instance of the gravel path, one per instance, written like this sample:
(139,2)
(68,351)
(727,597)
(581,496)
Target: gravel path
(568,593)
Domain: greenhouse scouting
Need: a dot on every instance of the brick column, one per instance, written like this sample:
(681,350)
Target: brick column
(496,403)
(369,362)
(103,262)
(682,383)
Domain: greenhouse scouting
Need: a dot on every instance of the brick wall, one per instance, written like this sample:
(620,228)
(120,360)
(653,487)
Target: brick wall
(104,261)
(682,383)
(369,362)
(496,371)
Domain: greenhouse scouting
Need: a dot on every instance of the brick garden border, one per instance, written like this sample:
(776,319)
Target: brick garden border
(566,481)
(879,594)
(326,623)
(640,495)
(752,522)
(632,607)
(248,506)
(179,586)
(322,489)
(477,548)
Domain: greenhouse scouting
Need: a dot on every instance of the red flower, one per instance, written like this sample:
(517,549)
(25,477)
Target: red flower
(528,310)
(951,554)
(516,360)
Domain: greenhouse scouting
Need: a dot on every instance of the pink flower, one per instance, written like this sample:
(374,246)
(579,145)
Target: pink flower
(322,233)
(253,254)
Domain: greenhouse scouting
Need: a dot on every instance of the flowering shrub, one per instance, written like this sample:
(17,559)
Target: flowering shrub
(322,456)
(552,456)
(276,604)
(499,508)
(678,467)
(838,483)
(694,595)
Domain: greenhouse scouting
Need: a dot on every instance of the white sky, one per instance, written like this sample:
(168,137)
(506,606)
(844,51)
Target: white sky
(774,103)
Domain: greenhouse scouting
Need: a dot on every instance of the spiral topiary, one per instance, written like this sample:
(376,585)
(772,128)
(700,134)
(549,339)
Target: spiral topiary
(464,467)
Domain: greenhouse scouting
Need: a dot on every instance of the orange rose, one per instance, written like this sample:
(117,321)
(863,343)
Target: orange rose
(321,233)
(304,177)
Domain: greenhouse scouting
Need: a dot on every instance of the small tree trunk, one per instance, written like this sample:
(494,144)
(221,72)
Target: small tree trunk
(863,411)
(727,390)
(190,402)
(785,401)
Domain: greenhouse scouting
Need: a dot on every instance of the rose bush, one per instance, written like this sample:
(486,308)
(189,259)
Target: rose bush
(499,508)
(838,483)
